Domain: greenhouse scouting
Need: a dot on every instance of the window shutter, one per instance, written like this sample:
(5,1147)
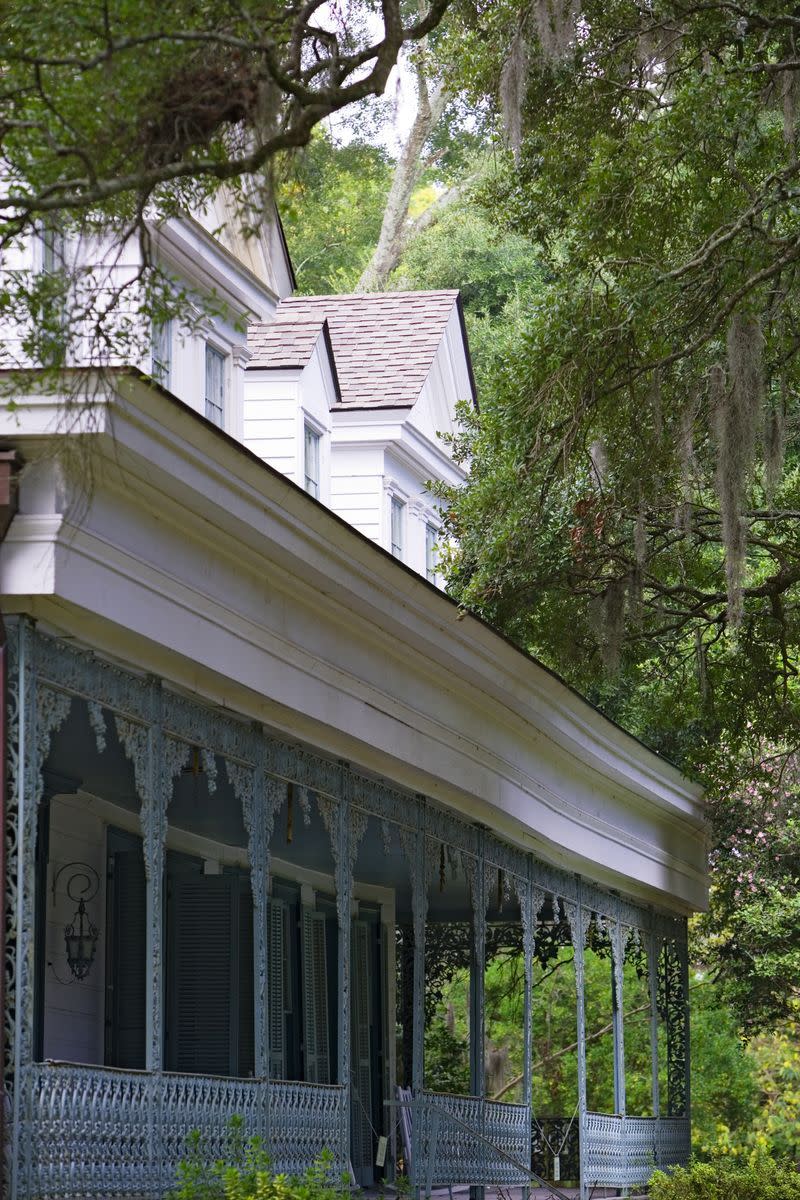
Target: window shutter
(361,1058)
(278,982)
(204,937)
(247,1031)
(127,955)
(315,998)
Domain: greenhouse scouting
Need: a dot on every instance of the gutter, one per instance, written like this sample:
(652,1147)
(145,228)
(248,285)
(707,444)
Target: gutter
(9,466)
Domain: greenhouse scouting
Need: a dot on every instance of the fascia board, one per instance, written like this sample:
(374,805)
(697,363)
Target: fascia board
(198,257)
(572,719)
(340,554)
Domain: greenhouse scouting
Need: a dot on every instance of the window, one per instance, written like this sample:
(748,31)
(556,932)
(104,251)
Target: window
(215,386)
(311,461)
(161,352)
(396,533)
(431,555)
(52,249)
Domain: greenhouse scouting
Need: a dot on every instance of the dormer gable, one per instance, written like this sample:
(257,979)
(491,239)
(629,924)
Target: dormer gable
(262,249)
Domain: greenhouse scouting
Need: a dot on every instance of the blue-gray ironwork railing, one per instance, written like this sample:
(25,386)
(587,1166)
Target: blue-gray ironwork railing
(467,1139)
(90,1130)
(555,1148)
(623,1152)
(157,728)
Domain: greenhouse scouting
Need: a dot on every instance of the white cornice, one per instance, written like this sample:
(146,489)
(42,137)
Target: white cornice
(554,773)
(203,260)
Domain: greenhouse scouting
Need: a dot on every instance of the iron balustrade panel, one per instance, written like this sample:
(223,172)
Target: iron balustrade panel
(640,1140)
(465,1139)
(553,1137)
(674,1142)
(90,1132)
(304,1120)
(98,1131)
(623,1152)
(602,1149)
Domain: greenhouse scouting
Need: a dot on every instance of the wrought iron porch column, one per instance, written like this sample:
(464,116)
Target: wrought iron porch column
(250,786)
(477,1015)
(344,897)
(617,968)
(36,712)
(683,953)
(653,954)
(578,925)
(531,901)
(419,910)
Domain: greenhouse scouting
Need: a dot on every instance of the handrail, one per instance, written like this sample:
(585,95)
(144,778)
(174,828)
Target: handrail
(474,1133)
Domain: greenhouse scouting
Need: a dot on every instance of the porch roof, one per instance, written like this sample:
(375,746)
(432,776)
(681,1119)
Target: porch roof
(303,622)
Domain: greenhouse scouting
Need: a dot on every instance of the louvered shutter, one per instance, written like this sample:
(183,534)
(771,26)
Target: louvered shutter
(360,1049)
(203,941)
(315,998)
(245,983)
(128,953)
(278,980)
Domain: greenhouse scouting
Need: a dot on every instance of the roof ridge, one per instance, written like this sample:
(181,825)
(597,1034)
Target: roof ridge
(287,300)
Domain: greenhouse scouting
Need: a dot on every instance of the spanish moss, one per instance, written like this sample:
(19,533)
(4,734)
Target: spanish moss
(736,410)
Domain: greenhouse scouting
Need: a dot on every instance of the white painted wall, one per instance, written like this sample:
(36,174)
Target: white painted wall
(74,1010)
(357,487)
(278,404)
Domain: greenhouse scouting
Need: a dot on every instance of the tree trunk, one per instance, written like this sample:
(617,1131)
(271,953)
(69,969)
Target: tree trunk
(393,235)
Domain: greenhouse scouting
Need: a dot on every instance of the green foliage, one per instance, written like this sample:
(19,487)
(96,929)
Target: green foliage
(331,203)
(245,1173)
(592,529)
(726,1098)
(446,1058)
(751,935)
(762,1178)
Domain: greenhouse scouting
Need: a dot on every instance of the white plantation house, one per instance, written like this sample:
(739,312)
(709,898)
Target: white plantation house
(259,770)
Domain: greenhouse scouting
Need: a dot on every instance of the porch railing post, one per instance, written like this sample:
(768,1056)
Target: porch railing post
(153,817)
(577,923)
(344,895)
(476,997)
(40,712)
(683,951)
(419,906)
(652,977)
(530,904)
(618,964)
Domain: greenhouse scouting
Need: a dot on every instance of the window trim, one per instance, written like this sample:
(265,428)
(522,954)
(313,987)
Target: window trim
(432,533)
(213,349)
(312,435)
(161,365)
(397,506)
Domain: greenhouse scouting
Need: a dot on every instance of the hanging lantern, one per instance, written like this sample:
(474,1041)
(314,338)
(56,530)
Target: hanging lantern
(81,934)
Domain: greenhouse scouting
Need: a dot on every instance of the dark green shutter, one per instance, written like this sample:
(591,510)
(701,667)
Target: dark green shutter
(127,952)
(278,984)
(360,1049)
(247,1030)
(316,1052)
(210,1027)
(202,941)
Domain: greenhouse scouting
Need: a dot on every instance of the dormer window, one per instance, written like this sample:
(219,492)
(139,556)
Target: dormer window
(311,461)
(431,552)
(161,352)
(397,524)
(52,249)
(215,386)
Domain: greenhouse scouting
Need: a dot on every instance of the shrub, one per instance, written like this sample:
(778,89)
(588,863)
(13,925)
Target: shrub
(761,1178)
(246,1174)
